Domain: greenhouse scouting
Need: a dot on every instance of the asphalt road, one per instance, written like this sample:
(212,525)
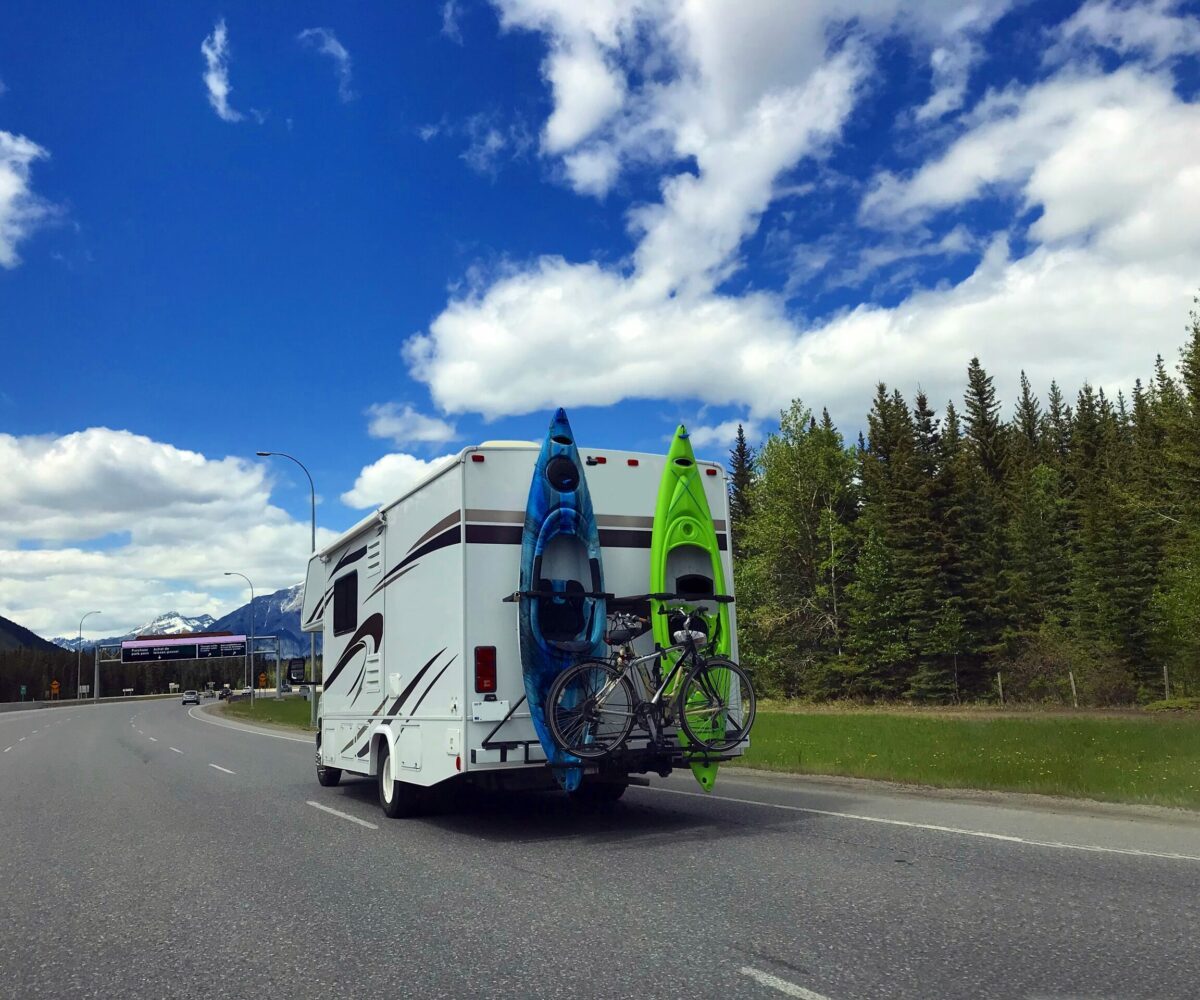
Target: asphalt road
(146,853)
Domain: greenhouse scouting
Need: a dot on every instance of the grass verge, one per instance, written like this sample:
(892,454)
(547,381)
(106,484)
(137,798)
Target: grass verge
(1152,759)
(292,712)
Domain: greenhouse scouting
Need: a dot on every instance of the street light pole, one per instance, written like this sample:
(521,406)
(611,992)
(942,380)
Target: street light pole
(79,649)
(312,636)
(250,636)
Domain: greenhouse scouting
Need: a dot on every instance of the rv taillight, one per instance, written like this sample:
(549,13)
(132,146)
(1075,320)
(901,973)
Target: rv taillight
(485,669)
(631,461)
(599,459)
(710,472)
(476,457)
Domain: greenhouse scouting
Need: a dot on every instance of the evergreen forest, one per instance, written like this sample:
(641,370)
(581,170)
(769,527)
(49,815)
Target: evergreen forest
(948,553)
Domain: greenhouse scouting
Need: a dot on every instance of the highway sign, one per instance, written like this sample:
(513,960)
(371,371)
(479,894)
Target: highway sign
(295,670)
(192,648)
(54,686)
(262,680)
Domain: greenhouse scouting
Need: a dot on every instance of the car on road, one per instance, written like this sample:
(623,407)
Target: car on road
(191,698)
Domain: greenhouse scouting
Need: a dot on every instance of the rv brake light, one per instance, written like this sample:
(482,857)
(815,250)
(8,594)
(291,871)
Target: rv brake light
(485,669)
(476,457)
(631,461)
(710,472)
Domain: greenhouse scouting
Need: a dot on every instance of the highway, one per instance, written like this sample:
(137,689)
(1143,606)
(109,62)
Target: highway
(147,853)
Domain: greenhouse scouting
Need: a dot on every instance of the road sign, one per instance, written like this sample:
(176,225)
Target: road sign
(24,691)
(192,648)
(295,670)
(54,686)
(262,680)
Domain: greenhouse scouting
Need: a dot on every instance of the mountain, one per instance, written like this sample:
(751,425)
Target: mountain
(274,614)
(170,623)
(14,636)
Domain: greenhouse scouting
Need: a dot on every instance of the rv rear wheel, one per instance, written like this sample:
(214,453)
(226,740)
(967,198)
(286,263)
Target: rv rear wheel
(398,799)
(327,777)
(592,792)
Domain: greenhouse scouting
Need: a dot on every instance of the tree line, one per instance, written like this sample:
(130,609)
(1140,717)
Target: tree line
(1058,543)
(35,669)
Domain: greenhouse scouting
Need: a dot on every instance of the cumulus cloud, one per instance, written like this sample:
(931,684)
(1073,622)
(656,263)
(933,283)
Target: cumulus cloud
(20,209)
(324,41)
(1156,31)
(404,425)
(716,439)
(1104,164)
(115,520)
(215,49)
(389,478)
(451,16)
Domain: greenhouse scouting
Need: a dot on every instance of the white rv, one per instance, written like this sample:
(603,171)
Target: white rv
(422,666)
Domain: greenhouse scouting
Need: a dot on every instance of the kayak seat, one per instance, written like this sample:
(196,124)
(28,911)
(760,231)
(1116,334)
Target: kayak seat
(560,618)
(694,585)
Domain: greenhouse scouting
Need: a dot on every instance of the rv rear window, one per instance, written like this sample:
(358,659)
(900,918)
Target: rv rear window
(345,604)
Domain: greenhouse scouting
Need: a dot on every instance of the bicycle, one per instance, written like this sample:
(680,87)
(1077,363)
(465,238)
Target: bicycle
(592,706)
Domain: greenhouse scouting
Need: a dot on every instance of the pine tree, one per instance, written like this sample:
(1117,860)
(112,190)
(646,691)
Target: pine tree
(741,480)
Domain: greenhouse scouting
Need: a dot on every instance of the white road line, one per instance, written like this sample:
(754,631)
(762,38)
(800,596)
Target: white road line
(789,989)
(352,819)
(21,740)
(220,768)
(152,739)
(177,751)
(35,731)
(206,717)
(6,749)
(982,834)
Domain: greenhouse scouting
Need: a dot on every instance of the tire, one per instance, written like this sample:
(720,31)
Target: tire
(398,799)
(590,709)
(593,793)
(708,715)
(327,777)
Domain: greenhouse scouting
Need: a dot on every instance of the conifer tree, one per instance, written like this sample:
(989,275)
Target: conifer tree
(741,479)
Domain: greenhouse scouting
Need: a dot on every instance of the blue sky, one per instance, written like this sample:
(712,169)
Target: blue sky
(370,234)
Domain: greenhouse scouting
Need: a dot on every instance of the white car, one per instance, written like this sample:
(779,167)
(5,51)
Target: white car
(191,698)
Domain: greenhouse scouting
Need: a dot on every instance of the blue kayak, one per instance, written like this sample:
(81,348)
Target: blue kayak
(562,621)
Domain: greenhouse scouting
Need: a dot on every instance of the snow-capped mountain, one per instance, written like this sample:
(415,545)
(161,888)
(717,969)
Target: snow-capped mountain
(274,614)
(170,623)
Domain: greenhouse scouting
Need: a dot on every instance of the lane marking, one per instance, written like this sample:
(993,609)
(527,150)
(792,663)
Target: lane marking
(152,739)
(6,749)
(206,717)
(775,983)
(35,731)
(21,740)
(981,834)
(335,812)
(180,751)
(220,768)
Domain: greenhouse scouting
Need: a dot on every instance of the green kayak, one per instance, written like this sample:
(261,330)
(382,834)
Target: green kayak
(686,559)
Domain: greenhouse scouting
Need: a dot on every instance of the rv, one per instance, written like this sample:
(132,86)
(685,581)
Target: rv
(422,665)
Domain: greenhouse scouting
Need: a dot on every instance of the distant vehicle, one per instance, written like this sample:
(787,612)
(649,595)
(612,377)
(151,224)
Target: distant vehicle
(223,694)
(191,698)
(210,693)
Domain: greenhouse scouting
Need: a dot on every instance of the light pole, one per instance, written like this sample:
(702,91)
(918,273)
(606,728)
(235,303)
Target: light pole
(79,649)
(250,635)
(312,636)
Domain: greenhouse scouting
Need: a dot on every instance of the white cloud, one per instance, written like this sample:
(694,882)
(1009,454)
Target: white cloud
(717,439)
(326,43)
(20,209)
(490,141)
(1110,162)
(587,91)
(451,15)
(1155,30)
(389,478)
(215,49)
(170,523)
(403,425)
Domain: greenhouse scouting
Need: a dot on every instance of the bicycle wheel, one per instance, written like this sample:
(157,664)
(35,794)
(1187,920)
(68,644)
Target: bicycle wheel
(717,705)
(590,709)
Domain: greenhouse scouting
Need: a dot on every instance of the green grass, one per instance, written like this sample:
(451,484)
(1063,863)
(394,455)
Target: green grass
(1152,759)
(294,712)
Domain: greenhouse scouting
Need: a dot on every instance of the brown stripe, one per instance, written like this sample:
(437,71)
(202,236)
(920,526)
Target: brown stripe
(497,516)
(719,525)
(445,522)
(623,521)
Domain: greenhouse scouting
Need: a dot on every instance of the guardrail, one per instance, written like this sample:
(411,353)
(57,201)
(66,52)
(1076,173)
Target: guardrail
(22,706)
